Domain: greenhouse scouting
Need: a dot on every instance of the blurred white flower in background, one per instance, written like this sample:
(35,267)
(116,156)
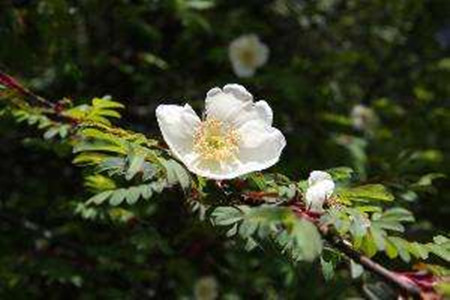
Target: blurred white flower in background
(320,188)
(236,136)
(247,53)
(363,118)
(206,288)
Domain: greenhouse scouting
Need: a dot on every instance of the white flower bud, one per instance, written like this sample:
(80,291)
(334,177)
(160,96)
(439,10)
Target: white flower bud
(320,188)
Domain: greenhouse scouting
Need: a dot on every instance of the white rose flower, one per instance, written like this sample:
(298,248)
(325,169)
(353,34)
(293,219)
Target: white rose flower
(236,136)
(206,288)
(363,117)
(320,188)
(247,53)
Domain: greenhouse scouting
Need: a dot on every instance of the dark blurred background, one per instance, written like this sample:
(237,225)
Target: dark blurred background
(326,57)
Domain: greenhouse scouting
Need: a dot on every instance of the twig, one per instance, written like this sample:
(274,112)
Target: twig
(389,276)
(394,279)
(14,85)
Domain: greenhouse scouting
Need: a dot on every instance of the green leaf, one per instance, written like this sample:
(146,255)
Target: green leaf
(440,251)
(98,145)
(136,163)
(117,197)
(257,180)
(368,245)
(154,60)
(441,240)
(99,183)
(369,208)
(250,244)
(397,215)
(444,64)
(427,180)
(390,249)
(378,237)
(233,230)
(158,186)
(99,198)
(418,250)
(148,171)
(306,243)
(358,226)
(109,113)
(390,225)
(177,174)
(147,191)
(299,238)
(338,218)
(133,194)
(365,193)
(341,173)
(89,158)
(105,102)
(302,185)
(443,288)
(200,4)
(402,247)
(113,165)
(52,132)
(327,269)
(226,215)
(356,269)
(248,228)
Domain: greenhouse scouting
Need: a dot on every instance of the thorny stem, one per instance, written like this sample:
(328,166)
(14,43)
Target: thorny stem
(345,247)
(396,280)
(12,84)
(56,112)
(390,277)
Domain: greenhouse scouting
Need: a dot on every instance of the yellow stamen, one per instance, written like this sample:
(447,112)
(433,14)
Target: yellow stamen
(247,57)
(215,141)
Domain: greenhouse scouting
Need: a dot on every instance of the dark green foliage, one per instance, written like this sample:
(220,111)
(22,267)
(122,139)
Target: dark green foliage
(131,222)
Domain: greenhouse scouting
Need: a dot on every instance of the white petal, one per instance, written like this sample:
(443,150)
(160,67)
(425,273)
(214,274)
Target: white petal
(238,91)
(262,54)
(316,176)
(264,111)
(242,71)
(315,197)
(260,147)
(215,170)
(327,186)
(321,186)
(177,125)
(223,106)
(213,92)
(234,106)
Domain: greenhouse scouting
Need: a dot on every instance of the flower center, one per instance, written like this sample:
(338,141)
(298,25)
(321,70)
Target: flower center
(215,141)
(247,57)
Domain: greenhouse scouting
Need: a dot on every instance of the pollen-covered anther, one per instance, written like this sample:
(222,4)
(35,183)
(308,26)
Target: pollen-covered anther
(215,141)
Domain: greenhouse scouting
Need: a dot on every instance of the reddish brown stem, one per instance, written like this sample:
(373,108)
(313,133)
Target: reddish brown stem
(13,84)
(390,277)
